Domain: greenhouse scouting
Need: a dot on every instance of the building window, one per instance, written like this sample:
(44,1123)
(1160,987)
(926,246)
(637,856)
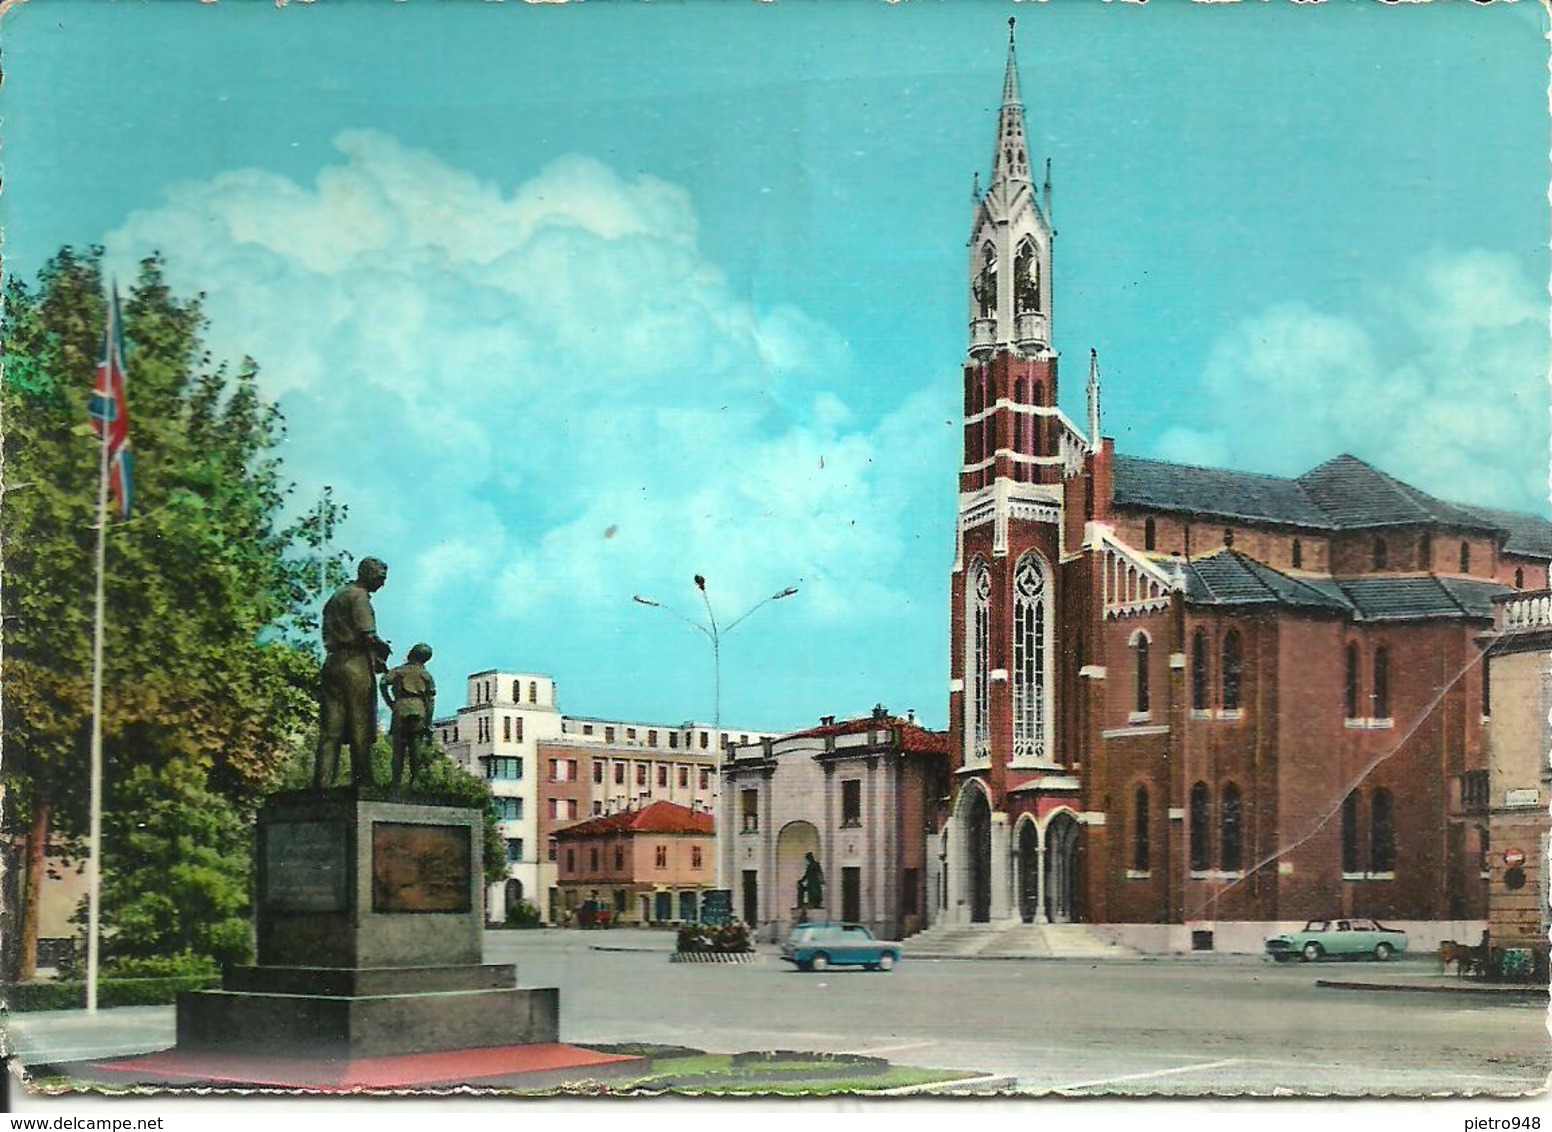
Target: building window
(651,738)
(641,774)
(1350,688)
(1519,578)
(608,735)
(662,857)
(630,734)
(1425,551)
(1382,833)
(1141,854)
(705,779)
(1230,675)
(571,809)
(1140,646)
(704,740)
(533,691)
(506,728)
(1381,554)
(619,856)
(1199,683)
(1230,834)
(1228,537)
(1031,661)
(1150,535)
(851,802)
(505,768)
(587,729)
(673,740)
(508,809)
(662,774)
(517,687)
(598,772)
(514,850)
(1298,555)
(598,809)
(517,730)
(684,778)
(909,886)
(986,283)
(749,810)
(1465,558)
(1026,278)
(978,589)
(592,858)
(558,770)
(1380,695)
(1201,830)
(1350,832)
(571,860)
(554,808)
(695,857)
(1487,686)
(552,849)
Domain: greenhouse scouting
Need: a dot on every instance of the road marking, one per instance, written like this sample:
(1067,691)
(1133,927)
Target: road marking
(1143,1076)
(1004,1081)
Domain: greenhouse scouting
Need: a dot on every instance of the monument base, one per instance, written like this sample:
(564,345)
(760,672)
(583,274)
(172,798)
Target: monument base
(369,932)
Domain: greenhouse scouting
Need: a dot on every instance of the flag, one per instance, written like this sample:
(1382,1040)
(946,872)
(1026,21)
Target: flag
(110,411)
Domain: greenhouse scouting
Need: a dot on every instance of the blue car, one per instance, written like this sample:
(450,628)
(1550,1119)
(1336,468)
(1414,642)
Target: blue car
(823,944)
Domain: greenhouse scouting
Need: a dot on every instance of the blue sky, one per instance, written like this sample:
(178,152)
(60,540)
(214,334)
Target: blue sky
(575,302)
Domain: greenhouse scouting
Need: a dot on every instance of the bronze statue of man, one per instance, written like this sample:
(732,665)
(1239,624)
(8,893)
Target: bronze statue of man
(811,886)
(347,699)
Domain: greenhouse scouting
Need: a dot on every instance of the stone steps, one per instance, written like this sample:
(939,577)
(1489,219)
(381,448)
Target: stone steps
(1013,941)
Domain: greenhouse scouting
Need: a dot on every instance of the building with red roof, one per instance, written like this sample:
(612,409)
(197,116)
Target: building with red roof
(652,865)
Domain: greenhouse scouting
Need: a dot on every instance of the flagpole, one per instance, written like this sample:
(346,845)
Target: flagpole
(94,837)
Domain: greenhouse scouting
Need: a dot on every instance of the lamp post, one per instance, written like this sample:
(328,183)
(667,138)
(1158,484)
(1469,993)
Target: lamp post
(714,633)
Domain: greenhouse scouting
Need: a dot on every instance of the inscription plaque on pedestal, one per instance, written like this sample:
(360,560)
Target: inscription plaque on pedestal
(306,867)
(420,868)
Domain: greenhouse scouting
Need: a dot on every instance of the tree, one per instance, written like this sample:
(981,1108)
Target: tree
(207,584)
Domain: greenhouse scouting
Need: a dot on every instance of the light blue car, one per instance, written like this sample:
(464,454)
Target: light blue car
(1341,938)
(823,944)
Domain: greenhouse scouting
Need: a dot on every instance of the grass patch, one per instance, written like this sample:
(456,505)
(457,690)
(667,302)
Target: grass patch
(785,1075)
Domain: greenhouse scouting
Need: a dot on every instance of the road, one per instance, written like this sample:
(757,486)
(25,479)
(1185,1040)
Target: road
(1186,1026)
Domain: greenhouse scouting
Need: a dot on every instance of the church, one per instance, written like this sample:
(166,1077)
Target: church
(1187,696)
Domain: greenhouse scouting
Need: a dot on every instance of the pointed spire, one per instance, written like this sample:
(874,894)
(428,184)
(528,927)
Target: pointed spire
(1094,437)
(1011,161)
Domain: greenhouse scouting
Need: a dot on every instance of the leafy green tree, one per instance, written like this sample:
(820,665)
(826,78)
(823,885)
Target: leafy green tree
(208,585)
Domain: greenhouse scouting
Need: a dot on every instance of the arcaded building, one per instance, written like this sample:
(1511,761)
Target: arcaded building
(1190,696)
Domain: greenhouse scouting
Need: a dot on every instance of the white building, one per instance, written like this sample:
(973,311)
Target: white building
(548,770)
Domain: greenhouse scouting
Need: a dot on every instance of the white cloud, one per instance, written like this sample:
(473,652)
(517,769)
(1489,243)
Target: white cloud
(1442,382)
(540,400)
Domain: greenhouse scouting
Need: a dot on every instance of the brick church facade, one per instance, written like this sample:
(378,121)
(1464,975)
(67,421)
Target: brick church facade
(1181,695)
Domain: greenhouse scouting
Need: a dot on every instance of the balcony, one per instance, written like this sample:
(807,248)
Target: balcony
(1031,330)
(983,334)
(1523,612)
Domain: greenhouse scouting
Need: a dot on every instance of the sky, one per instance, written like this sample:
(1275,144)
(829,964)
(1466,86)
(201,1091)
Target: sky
(571,303)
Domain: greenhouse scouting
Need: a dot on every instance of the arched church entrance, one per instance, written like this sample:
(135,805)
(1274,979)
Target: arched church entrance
(1027,856)
(975,813)
(1061,869)
(793,843)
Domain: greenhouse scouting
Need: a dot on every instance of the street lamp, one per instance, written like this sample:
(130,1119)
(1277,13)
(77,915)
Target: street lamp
(714,633)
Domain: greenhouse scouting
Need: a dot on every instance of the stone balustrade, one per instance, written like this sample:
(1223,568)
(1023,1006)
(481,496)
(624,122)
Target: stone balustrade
(1524,611)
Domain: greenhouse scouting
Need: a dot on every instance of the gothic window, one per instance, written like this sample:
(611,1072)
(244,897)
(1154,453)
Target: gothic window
(1380,695)
(1298,555)
(1031,638)
(986,283)
(1140,847)
(1201,851)
(1140,645)
(1199,683)
(1382,833)
(1231,832)
(1350,697)
(978,589)
(1228,537)
(1150,535)
(1425,551)
(1381,554)
(1465,558)
(1519,578)
(1230,674)
(1026,278)
(1350,833)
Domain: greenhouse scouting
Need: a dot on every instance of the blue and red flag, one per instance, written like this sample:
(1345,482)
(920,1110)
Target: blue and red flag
(110,410)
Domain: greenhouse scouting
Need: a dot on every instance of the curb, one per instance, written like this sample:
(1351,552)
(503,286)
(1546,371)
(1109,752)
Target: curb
(1424,988)
(713,956)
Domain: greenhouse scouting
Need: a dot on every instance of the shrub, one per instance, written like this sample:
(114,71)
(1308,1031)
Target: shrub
(110,992)
(523,915)
(731,938)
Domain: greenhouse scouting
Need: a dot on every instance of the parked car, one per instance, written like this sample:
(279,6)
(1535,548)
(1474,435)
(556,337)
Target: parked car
(822,944)
(1342,938)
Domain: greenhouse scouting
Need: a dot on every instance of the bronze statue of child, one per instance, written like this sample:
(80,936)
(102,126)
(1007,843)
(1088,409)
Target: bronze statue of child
(410,692)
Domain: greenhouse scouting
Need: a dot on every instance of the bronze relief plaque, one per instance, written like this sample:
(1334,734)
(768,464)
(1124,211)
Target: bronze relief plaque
(420,868)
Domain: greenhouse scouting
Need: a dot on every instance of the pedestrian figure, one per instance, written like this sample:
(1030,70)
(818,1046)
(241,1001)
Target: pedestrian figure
(811,887)
(347,696)
(410,694)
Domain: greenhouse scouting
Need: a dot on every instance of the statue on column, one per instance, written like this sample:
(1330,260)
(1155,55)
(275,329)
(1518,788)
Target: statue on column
(347,694)
(811,886)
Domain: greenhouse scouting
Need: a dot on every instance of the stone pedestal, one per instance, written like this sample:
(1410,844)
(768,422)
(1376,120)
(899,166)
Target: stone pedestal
(369,938)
